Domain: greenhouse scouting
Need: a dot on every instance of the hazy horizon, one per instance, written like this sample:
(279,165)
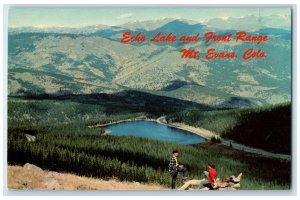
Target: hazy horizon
(74,17)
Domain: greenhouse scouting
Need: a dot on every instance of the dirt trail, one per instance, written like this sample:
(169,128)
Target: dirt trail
(261,152)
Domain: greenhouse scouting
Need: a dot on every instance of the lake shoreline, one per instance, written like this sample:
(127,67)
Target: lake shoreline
(120,121)
(204,133)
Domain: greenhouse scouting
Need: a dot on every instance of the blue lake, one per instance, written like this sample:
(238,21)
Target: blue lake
(155,131)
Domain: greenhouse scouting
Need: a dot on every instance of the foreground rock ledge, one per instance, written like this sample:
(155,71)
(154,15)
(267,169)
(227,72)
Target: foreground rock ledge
(31,177)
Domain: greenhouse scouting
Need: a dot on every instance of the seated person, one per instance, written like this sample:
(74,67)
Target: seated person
(211,176)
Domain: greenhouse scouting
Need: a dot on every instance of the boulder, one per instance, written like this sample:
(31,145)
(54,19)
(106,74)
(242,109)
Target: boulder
(32,167)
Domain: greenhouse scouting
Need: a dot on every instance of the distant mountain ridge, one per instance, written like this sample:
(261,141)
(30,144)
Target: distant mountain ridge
(215,24)
(92,60)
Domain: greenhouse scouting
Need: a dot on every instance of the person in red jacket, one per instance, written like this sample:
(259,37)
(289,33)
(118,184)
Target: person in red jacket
(211,176)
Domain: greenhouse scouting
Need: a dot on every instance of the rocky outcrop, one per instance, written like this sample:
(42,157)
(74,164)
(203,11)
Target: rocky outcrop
(32,167)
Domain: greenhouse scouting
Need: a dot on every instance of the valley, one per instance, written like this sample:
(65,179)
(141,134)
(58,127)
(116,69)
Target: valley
(98,62)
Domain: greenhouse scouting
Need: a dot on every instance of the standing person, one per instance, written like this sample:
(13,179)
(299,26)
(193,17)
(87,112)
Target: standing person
(175,167)
(211,176)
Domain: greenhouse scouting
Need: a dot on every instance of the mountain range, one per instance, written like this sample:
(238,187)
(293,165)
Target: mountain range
(64,60)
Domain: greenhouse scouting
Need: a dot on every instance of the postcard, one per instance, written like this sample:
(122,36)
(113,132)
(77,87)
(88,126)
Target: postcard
(149,98)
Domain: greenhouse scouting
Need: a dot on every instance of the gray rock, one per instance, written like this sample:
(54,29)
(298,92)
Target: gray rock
(30,138)
(31,166)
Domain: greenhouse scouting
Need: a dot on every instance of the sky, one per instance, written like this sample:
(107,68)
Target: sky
(85,16)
